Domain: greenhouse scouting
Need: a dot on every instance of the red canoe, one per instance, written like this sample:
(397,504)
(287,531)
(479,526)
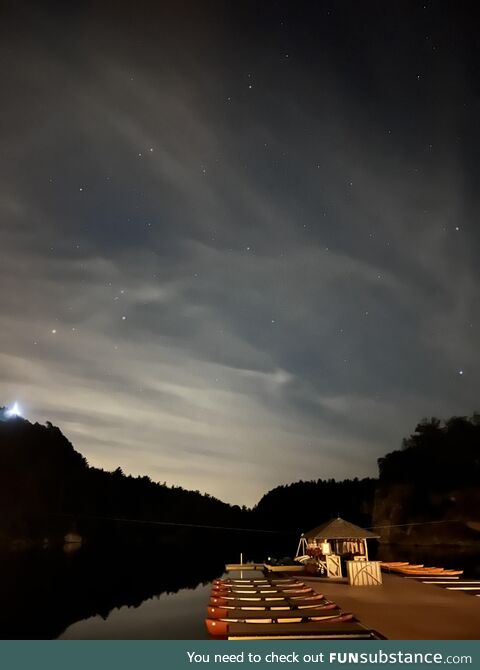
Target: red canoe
(254,581)
(312,601)
(257,587)
(226,612)
(262,597)
(295,589)
(218,628)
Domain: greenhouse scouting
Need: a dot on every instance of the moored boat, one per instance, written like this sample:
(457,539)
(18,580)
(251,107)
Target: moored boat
(260,592)
(393,564)
(261,597)
(414,570)
(219,628)
(292,616)
(425,569)
(267,602)
(255,581)
(431,573)
(278,587)
(240,613)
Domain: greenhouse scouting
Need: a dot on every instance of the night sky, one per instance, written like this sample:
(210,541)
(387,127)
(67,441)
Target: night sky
(239,240)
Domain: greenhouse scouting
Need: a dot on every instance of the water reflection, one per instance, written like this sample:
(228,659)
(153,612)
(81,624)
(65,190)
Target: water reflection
(131,594)
(121,583)
(169,616)
(140,591)
(173,617)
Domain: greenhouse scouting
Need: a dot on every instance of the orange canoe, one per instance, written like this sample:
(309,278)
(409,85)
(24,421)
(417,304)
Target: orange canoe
(218,628)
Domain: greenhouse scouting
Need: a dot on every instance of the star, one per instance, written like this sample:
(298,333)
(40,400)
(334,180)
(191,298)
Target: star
(54,331)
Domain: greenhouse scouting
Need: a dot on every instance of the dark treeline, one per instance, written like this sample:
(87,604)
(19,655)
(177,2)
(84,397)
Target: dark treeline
(43,477)
(48,487)
(434,477)
(303,505)
(443,455)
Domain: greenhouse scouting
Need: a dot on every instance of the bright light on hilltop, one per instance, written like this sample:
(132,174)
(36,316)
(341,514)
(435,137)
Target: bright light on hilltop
(14,411)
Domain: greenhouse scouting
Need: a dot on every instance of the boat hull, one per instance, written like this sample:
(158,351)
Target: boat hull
(255,581)
(282,605)
(218,628)
(261,592)
(240,613)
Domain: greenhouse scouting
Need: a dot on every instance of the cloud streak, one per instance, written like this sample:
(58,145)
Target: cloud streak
(240,298)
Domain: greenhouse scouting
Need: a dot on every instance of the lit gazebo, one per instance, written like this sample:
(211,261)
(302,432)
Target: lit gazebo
(334,539)
(342,536)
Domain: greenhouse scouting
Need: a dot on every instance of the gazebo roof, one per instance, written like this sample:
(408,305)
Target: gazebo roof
(339,529)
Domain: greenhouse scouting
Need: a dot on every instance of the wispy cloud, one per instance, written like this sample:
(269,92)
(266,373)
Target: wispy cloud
(226,310)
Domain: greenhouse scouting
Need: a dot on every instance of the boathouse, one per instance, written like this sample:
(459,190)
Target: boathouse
(334,540)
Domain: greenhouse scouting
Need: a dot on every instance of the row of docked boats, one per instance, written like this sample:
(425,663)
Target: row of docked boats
(276,608)
(418,570)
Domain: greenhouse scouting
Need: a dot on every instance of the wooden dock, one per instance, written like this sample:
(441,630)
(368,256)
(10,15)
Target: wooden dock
(235,567)
(299,631)
(407,609)
(284,568)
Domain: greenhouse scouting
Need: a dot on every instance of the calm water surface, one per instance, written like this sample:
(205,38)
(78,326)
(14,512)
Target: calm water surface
(115,594)
(174,617)
(165,617)
(136,593)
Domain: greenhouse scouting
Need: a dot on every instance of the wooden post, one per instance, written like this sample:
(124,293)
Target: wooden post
(366,549)
(241,559)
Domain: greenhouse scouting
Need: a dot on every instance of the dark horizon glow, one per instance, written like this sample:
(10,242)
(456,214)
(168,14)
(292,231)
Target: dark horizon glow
(239,241)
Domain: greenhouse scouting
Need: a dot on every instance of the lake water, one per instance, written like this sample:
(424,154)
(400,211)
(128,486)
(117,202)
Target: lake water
(174,617)
(133,594)
(165,617)
(127,594)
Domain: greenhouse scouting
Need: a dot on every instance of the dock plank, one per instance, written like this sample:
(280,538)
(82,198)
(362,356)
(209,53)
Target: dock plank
(405,609)
(325,631)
